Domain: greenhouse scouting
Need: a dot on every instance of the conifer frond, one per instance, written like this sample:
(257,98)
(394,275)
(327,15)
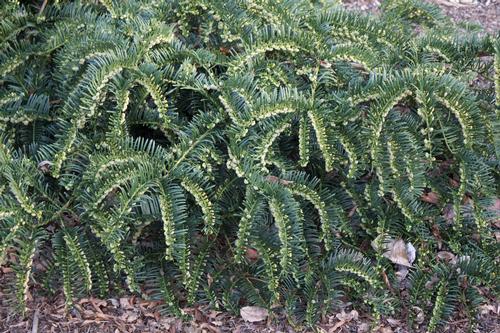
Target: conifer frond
(249,152)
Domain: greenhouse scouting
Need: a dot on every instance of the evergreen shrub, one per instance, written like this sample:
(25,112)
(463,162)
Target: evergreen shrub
(286,154)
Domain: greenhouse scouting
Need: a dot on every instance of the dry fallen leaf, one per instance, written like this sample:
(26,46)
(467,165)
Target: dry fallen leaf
(454,183)
(430,197)
(253,313)
(344,318)
(353,315)
(430,284)
(402,272)
(449,213)
(125,303)
(6,270)
(206,327)
(335,327)
(274,179)
(114,302)
(386,329)
(210,279)
(447,256)
(420,314)
(437,234)
(386,281)
(251,254)
(130,316)
(44,166)
(487,308)
(411,254)
(400,253)
(394,322)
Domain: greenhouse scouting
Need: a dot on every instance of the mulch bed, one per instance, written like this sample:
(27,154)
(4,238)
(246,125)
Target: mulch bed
(131,314)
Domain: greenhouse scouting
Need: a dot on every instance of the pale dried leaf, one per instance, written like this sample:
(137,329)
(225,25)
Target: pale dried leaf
(397,253)
(130,316)
(125,303)
(411,252)
(114,302)
(44,166)
(420,315)
(353,315)
(253,313)
(394,322)
(447,256)
(487,308)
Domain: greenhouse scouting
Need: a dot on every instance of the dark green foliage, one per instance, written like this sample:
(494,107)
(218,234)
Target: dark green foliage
(248,152)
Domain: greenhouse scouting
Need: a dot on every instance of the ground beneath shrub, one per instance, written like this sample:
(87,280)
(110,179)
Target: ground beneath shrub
(129,314)
(484,13)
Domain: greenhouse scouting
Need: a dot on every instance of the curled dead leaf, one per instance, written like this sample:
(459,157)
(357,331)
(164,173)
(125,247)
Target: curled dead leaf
(253,314)
(44,166)
(397,251)
(420,317)
(400,253)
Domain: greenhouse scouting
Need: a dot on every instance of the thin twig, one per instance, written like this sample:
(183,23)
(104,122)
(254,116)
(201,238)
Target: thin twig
(34,329)
(458,321)
(44,3)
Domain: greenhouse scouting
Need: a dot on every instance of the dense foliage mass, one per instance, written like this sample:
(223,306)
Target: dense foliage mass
(274,153)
